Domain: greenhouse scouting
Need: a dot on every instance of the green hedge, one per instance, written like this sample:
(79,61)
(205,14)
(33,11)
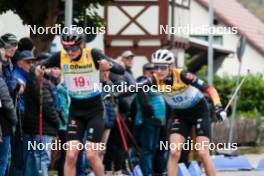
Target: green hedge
(251,94)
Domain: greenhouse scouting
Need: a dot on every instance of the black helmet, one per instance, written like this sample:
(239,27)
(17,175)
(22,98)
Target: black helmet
(25,43)
(71,37)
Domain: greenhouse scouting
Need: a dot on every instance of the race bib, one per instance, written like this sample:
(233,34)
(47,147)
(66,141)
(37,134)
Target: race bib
(183,99)
(82,85)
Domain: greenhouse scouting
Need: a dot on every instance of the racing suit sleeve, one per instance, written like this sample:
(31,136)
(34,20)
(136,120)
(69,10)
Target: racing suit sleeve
(98,55)
(189,78)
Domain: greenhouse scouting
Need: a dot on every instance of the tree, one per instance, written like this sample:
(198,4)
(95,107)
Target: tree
(47,13)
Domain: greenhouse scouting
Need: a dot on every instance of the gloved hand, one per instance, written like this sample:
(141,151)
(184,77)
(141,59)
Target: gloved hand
(220,113)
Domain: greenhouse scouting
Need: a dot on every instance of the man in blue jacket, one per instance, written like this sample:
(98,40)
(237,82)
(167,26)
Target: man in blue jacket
(24,60)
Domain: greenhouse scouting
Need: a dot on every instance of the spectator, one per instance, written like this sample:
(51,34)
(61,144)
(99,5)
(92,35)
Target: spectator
(109,113)
(38,94)
(7,122)
(7,68)
(65,104)
(23,63)
(149,113)
(62,102)
(23,44)
(115,152)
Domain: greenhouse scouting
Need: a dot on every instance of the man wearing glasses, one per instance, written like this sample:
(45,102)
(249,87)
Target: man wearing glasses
(80,67)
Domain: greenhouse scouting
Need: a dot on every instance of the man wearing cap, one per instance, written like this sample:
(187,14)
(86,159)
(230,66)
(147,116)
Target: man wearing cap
(33,100)
(23,44)
(124,104)
(10,45)
(127,59)
(24,61)
(148,112)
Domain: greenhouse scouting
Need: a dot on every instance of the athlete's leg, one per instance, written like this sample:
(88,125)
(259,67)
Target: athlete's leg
(204,155)
(75,132)
(93,157)
(95,129)
(203,131)
(180,129)
(71,157)
(176,141)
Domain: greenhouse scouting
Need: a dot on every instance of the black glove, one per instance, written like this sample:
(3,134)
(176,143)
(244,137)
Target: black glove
(220,113)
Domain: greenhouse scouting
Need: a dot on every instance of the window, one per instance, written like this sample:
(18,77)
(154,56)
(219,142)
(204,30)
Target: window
(218,39)
(183,3)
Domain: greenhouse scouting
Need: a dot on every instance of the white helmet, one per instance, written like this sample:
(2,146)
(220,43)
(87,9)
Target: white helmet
(162,56)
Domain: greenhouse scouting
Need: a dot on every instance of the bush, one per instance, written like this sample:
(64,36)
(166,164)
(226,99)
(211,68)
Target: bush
(250,97)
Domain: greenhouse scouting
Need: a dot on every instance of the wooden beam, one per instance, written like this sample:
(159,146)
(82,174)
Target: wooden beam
(135,3)
(133,19)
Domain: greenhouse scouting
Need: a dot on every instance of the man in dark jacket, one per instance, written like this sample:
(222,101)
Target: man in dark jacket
(40,124)
(8,120)
(6,69)
(124,104)
(148,112)
(6,64)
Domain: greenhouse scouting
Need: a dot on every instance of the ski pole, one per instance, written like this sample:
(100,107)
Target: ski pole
(40,119)
(235,93)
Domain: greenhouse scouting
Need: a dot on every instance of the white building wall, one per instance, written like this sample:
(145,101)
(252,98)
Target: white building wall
(198,15)
(252,59)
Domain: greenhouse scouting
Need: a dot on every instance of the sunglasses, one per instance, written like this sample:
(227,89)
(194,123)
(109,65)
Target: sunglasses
(161,67)
(149,69)
(71,48)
